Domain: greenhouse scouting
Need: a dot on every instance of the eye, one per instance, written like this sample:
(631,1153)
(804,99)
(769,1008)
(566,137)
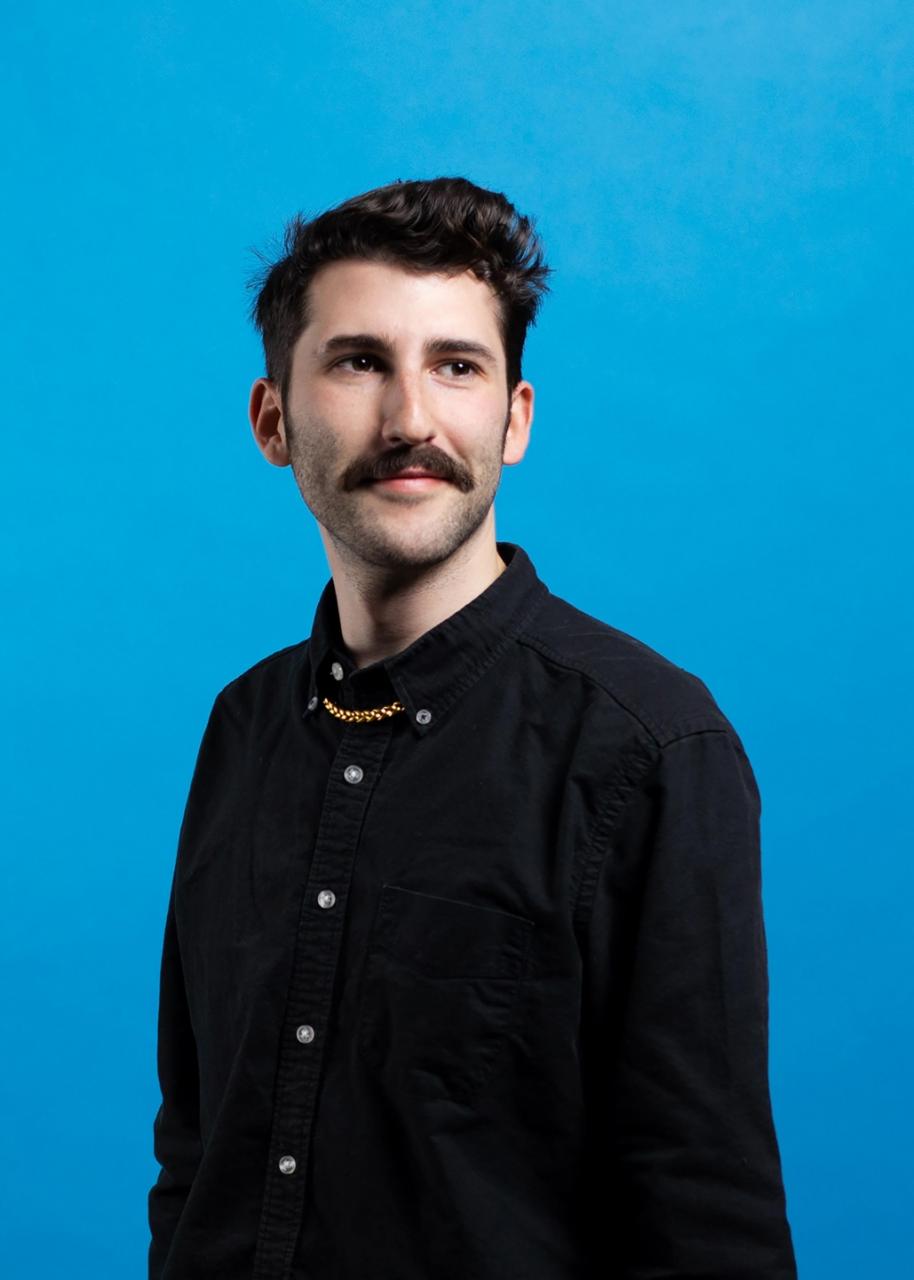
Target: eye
(463,366)
(355,362)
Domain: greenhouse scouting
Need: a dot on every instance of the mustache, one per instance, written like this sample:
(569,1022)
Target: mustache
(425,458)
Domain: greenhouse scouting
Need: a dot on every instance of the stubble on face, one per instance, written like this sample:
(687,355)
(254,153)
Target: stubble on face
(337,495)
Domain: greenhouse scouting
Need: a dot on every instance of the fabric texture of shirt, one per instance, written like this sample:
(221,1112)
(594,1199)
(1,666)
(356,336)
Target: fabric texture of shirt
(475,992)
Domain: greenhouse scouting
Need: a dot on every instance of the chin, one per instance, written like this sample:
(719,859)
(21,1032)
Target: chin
(409,550)
(411,555)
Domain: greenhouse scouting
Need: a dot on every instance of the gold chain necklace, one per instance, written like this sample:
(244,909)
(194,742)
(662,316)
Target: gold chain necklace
(361,717)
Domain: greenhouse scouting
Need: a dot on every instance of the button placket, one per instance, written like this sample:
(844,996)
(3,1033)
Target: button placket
(314,965)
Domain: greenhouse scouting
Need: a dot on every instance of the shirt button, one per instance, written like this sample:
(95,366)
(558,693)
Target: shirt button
(336,671)
(326,898)
(305,1034)
(352,773)
(423,716)
(312,703)
(287,1164)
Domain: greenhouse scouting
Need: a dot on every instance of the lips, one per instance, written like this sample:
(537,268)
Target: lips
(412,475)
(407,475)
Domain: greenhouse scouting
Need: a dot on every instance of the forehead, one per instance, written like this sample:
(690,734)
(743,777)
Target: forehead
(357,296)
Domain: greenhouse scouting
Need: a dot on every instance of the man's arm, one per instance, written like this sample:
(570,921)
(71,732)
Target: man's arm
(176,1131)
(684,1169)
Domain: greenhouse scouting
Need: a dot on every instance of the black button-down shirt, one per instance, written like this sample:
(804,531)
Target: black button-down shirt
(477,991)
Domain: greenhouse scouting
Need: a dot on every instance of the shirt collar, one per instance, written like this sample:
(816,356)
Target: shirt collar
(430,675)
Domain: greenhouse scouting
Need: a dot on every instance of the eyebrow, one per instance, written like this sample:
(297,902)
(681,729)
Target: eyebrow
(377,342)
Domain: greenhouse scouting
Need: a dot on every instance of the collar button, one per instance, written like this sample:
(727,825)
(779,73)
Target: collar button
(423,716)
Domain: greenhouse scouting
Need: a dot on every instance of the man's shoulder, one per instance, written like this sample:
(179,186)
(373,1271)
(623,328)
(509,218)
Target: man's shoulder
(667,700)
(265,686)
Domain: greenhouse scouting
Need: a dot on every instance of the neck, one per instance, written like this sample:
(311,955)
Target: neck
(383,610)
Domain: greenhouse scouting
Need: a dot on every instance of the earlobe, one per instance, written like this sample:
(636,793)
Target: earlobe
(265,414)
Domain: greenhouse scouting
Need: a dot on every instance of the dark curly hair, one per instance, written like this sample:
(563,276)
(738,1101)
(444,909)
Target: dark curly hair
(443,225)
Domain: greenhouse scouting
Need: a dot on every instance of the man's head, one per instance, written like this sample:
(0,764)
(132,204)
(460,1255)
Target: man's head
(393,330)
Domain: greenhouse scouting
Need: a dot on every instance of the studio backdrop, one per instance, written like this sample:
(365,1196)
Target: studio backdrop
(720,465)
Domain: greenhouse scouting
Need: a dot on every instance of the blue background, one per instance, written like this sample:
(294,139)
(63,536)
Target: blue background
(720,465)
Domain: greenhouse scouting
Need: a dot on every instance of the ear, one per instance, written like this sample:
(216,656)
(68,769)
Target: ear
(520,420)
(265,413)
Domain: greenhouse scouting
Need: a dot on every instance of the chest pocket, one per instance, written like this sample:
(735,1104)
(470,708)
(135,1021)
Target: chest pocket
(439,992)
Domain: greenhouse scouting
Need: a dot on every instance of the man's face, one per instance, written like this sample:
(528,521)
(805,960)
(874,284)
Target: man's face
(401,372)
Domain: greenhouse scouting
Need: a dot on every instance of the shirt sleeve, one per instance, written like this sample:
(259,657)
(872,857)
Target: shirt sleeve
(684,1165)
(177,1138)
(176,1130)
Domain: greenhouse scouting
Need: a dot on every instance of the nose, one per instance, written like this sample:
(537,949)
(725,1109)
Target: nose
(405,415)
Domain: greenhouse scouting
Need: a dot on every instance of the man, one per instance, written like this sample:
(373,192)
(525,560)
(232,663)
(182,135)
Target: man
(464,971)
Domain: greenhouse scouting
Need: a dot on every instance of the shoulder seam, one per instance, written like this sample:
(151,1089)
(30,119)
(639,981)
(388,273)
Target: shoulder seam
(611,815)
(567,664)
(697,723)
(270,657)
(222,700)
(694,733)
(629,775)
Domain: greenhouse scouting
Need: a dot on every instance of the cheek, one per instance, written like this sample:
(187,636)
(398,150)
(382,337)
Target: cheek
(315,449)
(329,424)
(478,416)
(337,403)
